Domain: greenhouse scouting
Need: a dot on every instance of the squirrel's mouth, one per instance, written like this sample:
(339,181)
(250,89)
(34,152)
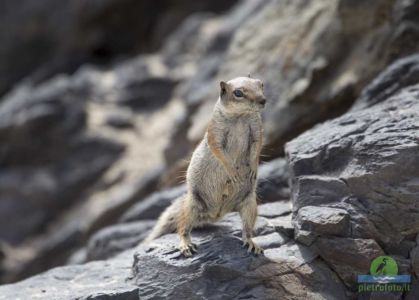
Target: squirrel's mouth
(262,102)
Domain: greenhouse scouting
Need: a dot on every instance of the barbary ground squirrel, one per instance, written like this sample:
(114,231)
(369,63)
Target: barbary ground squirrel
(221,176)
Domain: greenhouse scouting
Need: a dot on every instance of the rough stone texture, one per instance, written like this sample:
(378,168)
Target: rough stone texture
(95,280)
(222,269)
(372,156)
(356,177)
(348,257)
(313,220)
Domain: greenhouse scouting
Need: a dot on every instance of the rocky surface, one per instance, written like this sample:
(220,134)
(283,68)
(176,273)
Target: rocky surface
(355,182)
(287,271)
(90,159)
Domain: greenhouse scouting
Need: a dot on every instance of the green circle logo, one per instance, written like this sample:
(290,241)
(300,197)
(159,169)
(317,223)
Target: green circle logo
(384,266)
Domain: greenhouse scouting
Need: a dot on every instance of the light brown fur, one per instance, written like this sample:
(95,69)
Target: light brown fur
(221,176)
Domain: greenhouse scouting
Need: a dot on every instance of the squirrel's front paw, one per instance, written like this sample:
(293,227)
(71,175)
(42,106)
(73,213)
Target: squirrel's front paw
(253,175)
(252,247)
(187,249)
(233,176)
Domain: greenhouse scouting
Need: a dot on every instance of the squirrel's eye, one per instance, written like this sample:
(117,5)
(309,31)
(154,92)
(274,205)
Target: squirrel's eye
(238,93)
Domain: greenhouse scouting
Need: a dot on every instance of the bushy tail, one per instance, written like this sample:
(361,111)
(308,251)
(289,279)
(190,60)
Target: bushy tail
(167,221)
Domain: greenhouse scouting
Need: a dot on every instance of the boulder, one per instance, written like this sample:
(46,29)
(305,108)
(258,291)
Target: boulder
(351,175)
(222,269)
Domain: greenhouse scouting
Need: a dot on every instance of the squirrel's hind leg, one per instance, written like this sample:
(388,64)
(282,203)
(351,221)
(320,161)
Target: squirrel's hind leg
(187,219)
(248,213)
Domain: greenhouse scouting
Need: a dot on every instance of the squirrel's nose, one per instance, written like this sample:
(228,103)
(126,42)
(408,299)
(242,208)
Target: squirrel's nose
(262,101)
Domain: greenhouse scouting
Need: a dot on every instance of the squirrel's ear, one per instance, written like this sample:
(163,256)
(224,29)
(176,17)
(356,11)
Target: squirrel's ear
(223,88)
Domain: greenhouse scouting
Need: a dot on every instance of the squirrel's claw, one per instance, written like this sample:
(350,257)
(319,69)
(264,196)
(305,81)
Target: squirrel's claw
(188,249)
(252,247)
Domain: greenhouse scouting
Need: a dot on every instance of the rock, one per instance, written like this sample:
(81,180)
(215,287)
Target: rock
(94,32)
(95,280)
(120,119)
(66,234)
(288,271)
(414,257)
(355,172)
(369,156)
(149,93)
(285,272)
(152,206)
(321,221)
(43,174)
(112,240)
(402,73)
(348,257)
(274,209)
(283,225)
(273,181)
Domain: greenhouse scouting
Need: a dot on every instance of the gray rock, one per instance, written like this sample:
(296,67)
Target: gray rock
(274,209)
(348,257)
(361,162)
(112,240)
(152,206)
(304,82)
(402,73)
(316,220)
(414,257)
(283,225)
(361,165)
(94,33)
(96,280)
(120,119)
(273,181)
(48,160)
(222,269)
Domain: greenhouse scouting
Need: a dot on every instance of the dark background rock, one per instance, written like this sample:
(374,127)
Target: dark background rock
(81,32)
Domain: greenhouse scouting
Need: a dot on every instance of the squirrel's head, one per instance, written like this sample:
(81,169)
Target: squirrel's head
(242,94)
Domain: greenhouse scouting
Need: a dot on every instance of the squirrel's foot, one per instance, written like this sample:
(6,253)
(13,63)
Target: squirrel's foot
(252,247)
(187,248)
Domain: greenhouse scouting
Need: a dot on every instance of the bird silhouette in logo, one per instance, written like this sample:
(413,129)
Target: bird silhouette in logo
(381,269)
